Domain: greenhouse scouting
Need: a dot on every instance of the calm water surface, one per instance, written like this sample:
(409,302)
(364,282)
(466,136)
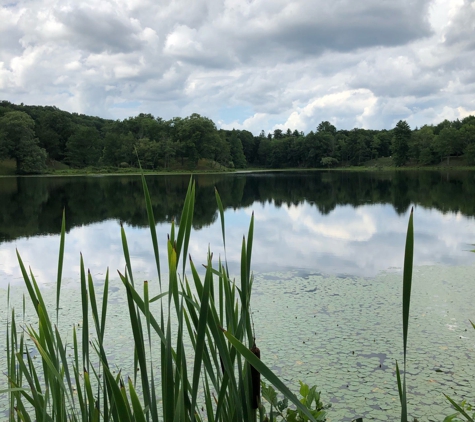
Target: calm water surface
(327,245)
(334,223)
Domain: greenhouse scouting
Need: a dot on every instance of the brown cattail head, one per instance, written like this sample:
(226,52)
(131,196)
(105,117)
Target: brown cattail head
(255,379)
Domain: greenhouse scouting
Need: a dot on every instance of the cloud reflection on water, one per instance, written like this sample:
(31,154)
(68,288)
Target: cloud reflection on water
(357,241)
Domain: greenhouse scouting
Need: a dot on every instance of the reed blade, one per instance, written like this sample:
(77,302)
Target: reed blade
(152,226)
(406,302)
(138,342)
(407,281)
(250,238)
(201,334)
(85,317)
(223,231)
(139,414)
(60,264)
(105,297)
(186,221)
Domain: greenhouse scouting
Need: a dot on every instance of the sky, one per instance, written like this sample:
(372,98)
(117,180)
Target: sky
(246,64)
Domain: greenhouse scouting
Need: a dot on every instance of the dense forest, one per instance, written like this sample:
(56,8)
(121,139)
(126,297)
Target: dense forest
(36,137)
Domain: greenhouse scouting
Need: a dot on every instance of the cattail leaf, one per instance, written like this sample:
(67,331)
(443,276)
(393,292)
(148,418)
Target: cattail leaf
(223,231)
(92,300)
(201,333)
(85,317)
(186,220)
(117,398)
(158,297)
(250,237)
(140,303)
(60,263)
(139,415)
(29,286)
(407,280)
(138,342)
(152,226)
(105,296)
(406,301)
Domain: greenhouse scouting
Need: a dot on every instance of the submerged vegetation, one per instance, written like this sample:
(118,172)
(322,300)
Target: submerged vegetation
(46,139)
(195,356)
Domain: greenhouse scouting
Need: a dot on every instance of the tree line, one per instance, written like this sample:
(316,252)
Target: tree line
(35,135)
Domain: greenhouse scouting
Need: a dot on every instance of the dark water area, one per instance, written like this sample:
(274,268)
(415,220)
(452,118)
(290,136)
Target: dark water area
(32,206)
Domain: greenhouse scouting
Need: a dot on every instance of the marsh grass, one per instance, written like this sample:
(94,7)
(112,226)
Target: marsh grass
(76,382)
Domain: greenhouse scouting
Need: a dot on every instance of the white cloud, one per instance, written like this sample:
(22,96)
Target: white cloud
(367,63)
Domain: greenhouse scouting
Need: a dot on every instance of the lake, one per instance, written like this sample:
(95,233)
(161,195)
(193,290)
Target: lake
(328,249)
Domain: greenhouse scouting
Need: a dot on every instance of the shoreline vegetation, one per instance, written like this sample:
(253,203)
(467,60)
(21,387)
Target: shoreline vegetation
(7,169)
(47,140)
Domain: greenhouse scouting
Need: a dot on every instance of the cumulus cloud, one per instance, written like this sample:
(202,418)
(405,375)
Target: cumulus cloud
(286,64)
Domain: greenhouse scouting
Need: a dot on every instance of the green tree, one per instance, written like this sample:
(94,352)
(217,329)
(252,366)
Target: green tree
(326,127)
(264,151)
(278,134)
(53,128)
(375,146)
(84,147)
(248,145)
(400,147)
(148,152)
(446,143)
(197,137)
(328,161)
(237,153)
(467,135)
(18,141)
(422,145)
(470,154)
(167,150)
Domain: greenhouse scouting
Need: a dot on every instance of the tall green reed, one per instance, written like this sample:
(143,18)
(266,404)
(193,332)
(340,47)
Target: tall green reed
(406,302)
(214,332)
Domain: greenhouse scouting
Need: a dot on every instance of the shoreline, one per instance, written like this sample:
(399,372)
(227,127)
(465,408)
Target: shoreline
(137,172)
